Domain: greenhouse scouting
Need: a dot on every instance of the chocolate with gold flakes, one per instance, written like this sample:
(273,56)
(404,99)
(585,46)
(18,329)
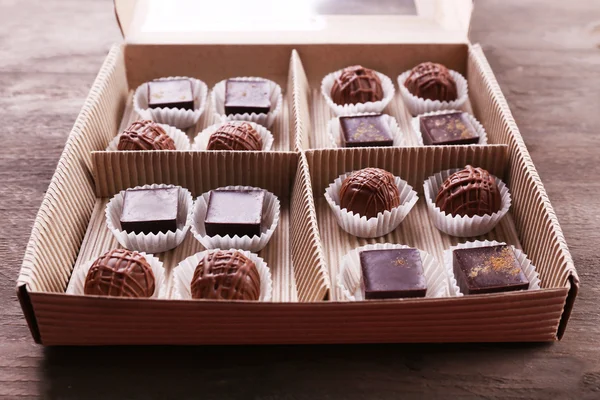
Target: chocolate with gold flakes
(365,131)
(448,129)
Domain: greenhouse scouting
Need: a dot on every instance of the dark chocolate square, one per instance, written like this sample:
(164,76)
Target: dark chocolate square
(488,269)
(243,97)
(451,128)
(392,273)
(150,210)
(234,212)
(365,131)
(176,93)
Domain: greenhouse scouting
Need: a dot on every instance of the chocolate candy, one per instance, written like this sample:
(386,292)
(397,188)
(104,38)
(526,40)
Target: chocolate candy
(235,136)
(247,97)
(355,85)
(488,270)
(369,191)
(175,93)
(365,131)
(431,81)
(392,273)
(150,210)
(234,212)
(450,128)
(471,191)
(226,275)
(145,135)
(121,273)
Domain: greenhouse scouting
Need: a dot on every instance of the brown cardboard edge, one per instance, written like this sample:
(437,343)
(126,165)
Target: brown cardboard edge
(28,312)
(569,303)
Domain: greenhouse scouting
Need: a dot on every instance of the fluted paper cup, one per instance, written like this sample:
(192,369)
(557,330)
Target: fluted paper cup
(201,141)
(418,105)
(334,129)
(416,125)
(179,138)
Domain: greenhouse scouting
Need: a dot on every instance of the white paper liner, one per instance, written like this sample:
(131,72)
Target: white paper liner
(383,224)
(150,243)
(77,281)
(271,208)
(462,226)
(347,109)
(184,273)
(416,125)
(335,132)
(177,117)
(201,140)
(350,275)
(417,105)
(179,137)
(526,265)
(267,120)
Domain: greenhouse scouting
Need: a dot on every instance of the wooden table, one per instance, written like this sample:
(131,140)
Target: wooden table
(546,56)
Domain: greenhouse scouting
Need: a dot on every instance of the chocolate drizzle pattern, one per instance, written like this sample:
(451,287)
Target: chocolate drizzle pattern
(235,136)
(122,273)
(145,135)
(471,191)
(355,85)
(226,275)
(431,81)
(369,191)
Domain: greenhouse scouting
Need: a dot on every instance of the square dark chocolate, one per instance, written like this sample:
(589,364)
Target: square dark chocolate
(488,269)
(451,128)
(234,212)
(365,131)
(150,210)
(176,93)
(392,273)
(243,97)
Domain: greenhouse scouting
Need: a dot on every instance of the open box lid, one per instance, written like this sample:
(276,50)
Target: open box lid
(294,22)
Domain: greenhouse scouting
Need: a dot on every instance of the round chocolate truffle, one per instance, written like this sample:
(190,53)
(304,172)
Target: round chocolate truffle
(431,81)
(235,136)
(226,275)
(145,135)
(470,192)
(369,191)
(121,273)
(356,85)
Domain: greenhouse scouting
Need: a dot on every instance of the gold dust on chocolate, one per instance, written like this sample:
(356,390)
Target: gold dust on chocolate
(365,131)
(145,135)
(503,263)
(235,136)
(356,84)
(449,128)
(369,191)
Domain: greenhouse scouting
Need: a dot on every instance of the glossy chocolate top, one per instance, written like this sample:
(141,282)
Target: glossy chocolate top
(174,92)
(145,135)
(449,128)
(369,191)
(355,85)
(247,94)
(235,206)
(226,275)
(471,191)
(235,136)
(431,81)
(122,273)
(364,129)
(150,204)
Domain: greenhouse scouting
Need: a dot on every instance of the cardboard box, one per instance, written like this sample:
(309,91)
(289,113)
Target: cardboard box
(305,252)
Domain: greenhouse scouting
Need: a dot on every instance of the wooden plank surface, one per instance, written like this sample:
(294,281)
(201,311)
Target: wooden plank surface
(546,57)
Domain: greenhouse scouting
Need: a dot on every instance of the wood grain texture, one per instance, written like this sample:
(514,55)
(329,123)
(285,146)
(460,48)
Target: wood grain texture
(546,57)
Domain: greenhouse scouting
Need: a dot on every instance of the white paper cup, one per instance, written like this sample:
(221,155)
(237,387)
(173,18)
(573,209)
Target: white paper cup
(184,273)
(462,226)
(266,120)
(177,117)
(416,125)
(149,243)
(270,211)
(179,137)
(335,131)
(380,225)
(350,276)
(368,107)
(201,141)
(417,105)
(526,265)
(77,283)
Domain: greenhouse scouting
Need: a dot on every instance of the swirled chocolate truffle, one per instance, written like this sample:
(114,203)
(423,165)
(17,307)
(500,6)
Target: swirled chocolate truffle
(226,275)
(356,85)
(369,191)
(145,135)
(121,273)
(431,81)
(235,136)
(471,191)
